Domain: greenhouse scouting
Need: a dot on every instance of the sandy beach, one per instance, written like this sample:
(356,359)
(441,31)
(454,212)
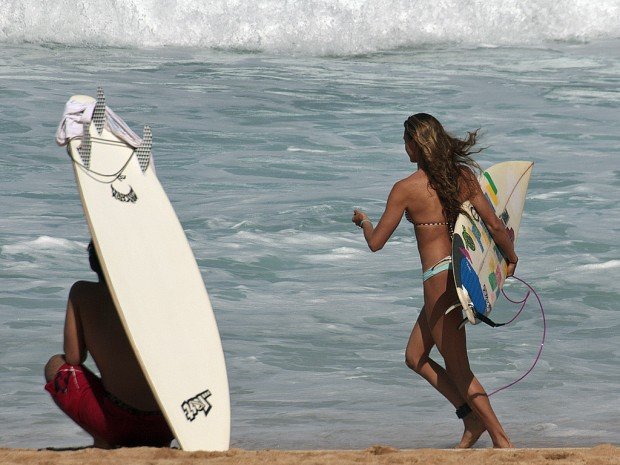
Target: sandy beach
(604,454)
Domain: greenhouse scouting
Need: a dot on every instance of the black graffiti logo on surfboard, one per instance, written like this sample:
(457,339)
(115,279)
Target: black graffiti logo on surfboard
(131,196)
(200,403)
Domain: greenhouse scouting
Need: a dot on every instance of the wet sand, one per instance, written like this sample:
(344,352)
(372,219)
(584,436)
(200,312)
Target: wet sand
(604,454)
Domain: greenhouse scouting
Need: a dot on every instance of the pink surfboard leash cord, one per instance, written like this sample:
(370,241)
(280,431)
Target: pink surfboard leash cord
(523,302)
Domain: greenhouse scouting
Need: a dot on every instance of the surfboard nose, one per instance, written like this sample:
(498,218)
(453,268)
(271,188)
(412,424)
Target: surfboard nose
(85,99)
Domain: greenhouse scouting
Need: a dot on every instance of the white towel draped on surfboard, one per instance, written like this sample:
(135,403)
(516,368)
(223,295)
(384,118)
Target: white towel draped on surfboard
(77,114)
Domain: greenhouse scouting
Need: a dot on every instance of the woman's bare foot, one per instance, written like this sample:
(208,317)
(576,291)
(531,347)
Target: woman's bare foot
(473,430)
(504,445)
(500,439)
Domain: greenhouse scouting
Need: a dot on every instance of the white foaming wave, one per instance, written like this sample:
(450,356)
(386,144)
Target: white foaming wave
(298,149)
(42,244)
(336,255)
(548,195)
(306,26)
(283,238)
(600,266)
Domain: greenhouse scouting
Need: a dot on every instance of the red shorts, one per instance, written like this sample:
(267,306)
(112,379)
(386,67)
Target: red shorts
(81,395)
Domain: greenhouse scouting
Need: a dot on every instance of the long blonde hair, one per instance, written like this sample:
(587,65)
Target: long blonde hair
(442,158)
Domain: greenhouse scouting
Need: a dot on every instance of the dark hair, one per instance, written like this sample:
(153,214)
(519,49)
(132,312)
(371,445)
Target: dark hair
(93,259)
(442,157)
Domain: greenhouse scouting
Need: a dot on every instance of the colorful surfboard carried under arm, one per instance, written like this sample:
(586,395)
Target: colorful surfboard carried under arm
(151,271)
(479,266)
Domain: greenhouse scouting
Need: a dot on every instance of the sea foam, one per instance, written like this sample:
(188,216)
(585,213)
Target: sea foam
(42,244)
(339,27)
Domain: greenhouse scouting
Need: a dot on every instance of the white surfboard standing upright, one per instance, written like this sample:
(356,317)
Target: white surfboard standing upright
(478,264)
(154,281)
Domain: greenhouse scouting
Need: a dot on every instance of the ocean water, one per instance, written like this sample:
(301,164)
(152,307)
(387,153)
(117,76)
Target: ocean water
(271,122)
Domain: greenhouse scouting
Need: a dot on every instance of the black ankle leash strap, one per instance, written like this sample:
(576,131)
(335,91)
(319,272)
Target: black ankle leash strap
(463,411)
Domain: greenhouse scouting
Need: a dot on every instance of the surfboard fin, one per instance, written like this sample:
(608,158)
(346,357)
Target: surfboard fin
(453,307)
(85,146)
(99,111)
(144,151)
(479,316)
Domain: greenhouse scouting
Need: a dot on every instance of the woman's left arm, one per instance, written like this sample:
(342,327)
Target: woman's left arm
(376,237)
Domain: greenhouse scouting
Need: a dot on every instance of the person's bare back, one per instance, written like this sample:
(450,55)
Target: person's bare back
(116,408)
(107,343)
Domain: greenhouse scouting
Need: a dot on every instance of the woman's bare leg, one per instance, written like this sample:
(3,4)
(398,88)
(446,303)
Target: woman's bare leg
(451,343)
(417,358)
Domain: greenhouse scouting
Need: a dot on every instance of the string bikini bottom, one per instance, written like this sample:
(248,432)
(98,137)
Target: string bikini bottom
(442,265)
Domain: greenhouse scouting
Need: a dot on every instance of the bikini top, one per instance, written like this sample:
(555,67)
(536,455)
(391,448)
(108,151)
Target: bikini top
(437,223)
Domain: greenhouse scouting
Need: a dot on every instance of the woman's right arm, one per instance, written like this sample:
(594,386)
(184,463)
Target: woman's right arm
(494,225)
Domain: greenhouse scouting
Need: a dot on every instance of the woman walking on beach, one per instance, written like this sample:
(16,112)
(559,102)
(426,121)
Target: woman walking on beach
(431,199)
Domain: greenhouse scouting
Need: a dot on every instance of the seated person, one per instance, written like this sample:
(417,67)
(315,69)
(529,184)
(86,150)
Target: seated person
(117,409)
